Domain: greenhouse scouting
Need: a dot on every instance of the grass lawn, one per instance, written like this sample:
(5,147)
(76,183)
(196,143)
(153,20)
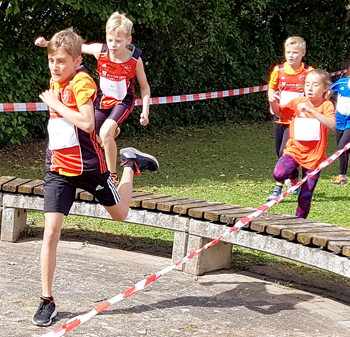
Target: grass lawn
(226,163)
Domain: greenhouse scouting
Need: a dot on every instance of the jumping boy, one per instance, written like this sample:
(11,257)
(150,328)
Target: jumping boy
(118,63)
(286,78)
(74,158)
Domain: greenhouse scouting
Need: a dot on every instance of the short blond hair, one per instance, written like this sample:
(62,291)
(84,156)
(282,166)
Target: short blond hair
(295,41)
(67,40)
(119,23)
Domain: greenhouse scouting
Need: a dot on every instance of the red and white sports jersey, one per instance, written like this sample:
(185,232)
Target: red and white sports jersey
(288,83)
(116,80)
(72,151)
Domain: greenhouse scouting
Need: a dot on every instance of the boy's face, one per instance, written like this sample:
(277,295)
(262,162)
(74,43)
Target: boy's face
(294,55)
(117,42)
(62,66)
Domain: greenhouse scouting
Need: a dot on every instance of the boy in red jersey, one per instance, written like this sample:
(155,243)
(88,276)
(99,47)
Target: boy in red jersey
(118,63)
(74,158)
(286,79)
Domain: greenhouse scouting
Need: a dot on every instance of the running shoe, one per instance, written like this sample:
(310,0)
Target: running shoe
(45,313)
(274,194)
(339,181)
(142,161)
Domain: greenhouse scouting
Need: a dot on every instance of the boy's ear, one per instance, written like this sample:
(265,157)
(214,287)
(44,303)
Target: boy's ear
(129,39)
(78,61)
(304,52)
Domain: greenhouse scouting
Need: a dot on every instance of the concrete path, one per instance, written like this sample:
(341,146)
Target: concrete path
(223,303)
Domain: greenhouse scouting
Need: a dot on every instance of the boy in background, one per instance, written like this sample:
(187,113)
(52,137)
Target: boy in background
(74,158)
(118,63)
(287,79)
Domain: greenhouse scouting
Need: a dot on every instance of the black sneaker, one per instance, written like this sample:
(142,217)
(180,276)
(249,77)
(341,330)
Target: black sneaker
(142,161)
(46,312)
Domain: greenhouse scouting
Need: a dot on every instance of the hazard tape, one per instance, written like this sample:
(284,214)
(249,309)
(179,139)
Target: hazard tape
(10,107)
(79,320)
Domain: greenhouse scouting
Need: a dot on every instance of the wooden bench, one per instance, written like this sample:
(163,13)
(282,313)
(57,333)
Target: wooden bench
(195,222)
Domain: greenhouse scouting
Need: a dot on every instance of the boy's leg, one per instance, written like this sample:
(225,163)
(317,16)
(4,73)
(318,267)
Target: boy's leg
(305,196)
(52,233)
(134,162)
(107,134)
(281,137)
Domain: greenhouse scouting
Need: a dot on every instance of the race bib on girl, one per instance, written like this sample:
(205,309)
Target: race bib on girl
(307,129)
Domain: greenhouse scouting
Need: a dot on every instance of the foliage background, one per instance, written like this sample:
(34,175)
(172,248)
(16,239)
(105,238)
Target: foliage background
(188,47)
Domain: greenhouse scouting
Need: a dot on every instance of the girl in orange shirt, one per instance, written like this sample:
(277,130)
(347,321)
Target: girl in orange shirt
(311,116)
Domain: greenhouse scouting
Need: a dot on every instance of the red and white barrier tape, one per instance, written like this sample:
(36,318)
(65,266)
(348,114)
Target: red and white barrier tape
(8,107)
(78,320)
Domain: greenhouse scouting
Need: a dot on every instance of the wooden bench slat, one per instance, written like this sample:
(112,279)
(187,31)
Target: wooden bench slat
(214,215)
(337,246)
(86,196)
(12,185)
(137,201)
(139,193)
(28,187)
(307,237)
(39,190)
(273,217)
(292,232)
(230,218)
(322,241)
(5,179)
(183,208)
(153,203)
(199,212)
(346,250)
(261,226)
(167,206)
(276,229)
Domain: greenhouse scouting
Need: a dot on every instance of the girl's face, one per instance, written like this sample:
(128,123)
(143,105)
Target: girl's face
(315,88)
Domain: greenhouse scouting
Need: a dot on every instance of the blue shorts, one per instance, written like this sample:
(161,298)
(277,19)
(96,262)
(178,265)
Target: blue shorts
(59,190)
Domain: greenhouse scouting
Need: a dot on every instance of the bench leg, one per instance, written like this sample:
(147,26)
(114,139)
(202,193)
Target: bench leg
(213,258)
(13,222)
(179,248)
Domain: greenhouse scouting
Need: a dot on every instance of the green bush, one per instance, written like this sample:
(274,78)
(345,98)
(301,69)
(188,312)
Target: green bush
(188,47)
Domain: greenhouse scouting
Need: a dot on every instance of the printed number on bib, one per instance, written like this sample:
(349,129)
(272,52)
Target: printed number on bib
(115,89)
(62,134)
(343,105)
(287,96)
(307,129)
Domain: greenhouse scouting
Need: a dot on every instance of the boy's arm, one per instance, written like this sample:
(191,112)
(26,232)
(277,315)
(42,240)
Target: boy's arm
(84,119)
(274,104)
(92,49)
(145,92)
(329,123)
(270,93)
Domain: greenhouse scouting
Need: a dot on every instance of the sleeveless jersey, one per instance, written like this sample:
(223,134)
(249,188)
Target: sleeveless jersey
(116,80)
(289,84)
(72,151)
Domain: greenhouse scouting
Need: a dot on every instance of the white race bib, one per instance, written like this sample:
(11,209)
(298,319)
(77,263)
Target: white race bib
(343,105)
(115,89)
(287,96)
(307,129)
(61,134)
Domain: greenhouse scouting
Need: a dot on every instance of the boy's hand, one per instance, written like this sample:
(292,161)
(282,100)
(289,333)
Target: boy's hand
(144,120)
(41,42)
(50,98)
(274,98)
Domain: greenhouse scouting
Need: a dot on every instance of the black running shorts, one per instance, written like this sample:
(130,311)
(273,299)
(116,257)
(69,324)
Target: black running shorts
(59,190)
